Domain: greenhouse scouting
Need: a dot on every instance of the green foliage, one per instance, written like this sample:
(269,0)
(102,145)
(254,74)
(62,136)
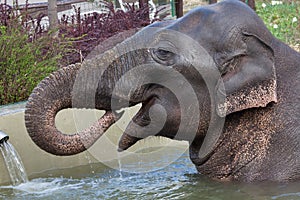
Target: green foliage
(282,18)
(23,63)
(29,52)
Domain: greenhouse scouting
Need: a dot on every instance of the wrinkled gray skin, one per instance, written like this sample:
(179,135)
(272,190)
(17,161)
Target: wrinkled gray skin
(260,139)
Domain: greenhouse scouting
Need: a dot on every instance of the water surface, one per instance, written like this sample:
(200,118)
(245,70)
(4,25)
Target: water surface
(179,180)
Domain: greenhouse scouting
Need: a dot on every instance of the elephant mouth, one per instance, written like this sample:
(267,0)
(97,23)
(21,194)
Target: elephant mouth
(131,135)
(122,99)
(118,104)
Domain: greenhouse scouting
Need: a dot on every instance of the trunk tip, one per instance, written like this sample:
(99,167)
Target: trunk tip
(120,149)
(127,141)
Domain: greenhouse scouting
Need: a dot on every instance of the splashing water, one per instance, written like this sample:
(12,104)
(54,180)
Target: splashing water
(120,166)
(13,163)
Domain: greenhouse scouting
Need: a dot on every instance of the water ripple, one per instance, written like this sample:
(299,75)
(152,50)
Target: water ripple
(177,181)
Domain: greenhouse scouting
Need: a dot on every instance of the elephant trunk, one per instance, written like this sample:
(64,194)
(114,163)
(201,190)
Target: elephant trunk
(67,88)
(53,94)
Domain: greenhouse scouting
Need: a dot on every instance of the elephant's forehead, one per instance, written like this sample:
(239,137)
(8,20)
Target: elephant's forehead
(195,19)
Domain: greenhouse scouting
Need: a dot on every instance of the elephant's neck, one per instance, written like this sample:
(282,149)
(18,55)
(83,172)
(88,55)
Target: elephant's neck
(243,146)
(287,61)
(287,64)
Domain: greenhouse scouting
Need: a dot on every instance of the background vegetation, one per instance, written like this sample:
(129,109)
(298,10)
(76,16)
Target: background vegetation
(23,64)
(28,52)
(27,55)
(282,18)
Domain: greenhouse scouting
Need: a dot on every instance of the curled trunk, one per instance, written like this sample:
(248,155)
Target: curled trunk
(56,93)
(53,94)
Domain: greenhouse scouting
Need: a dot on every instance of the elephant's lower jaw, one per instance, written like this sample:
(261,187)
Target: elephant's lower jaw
(133,132)
(127,141)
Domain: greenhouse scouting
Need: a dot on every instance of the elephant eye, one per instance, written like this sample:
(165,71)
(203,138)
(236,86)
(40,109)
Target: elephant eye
(163,56)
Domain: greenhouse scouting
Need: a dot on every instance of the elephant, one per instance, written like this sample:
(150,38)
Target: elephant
(246,87)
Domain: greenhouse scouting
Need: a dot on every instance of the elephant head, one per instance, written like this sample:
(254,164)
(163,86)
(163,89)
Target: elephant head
(237,45)
(224,51)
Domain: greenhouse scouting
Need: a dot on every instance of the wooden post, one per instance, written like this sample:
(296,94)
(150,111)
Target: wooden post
(52,14)
(251,3)
(179,8)
(142,3)
(212,1)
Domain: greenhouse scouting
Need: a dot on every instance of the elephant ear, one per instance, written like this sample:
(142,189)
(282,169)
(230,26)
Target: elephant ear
(248,74)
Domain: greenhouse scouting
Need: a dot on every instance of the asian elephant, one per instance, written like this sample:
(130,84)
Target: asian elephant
(258,81)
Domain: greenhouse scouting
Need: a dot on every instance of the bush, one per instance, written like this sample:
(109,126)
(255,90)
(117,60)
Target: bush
(282,19)
(88,31)
(23,64)
(28,53)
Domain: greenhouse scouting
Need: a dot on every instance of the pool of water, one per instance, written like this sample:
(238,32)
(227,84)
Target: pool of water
(178,180)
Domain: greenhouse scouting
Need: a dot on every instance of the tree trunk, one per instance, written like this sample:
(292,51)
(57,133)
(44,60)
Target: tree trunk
(52,14)
(179,8)
(251,3)
(212,1)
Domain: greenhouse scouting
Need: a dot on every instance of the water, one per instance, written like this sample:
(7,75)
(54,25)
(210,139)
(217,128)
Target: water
(120,166)
(179,180)
(13,163)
